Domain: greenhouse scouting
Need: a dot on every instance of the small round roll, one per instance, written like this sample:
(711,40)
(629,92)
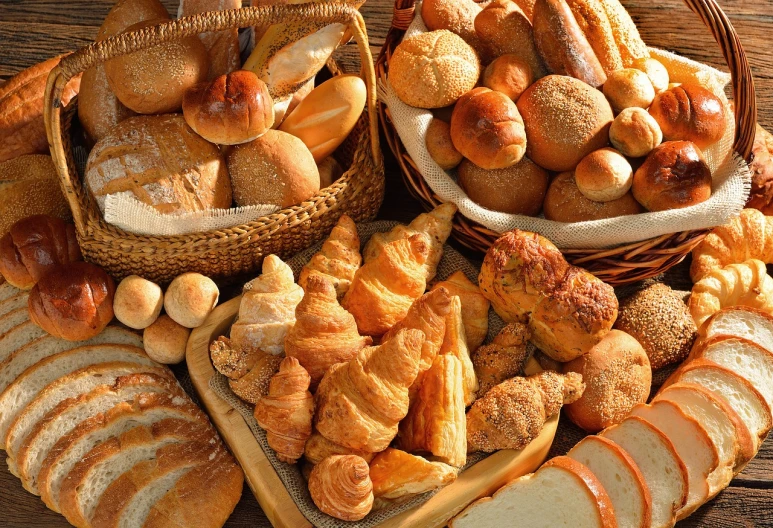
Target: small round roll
(565,203)
(329,171)
(440,146)
(165,341)
(628,88)
(634,132)
(190,298)
(655,70)
(519,189)
(508,74)
(137,302)
(604,175)
(690,112)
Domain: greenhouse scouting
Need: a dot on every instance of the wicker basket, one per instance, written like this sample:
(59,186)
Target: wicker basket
(237,250)
(622,264)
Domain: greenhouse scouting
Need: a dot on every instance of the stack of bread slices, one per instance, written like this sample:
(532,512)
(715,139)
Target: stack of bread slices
(669,456)
(103,434)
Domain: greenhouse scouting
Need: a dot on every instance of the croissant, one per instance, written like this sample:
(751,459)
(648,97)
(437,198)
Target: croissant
(475,307)
(512,414)
(267,309)
(455,344)
(396,475)
(248,371)
(745,284)
(319,448)
(361,402)
(338,259)
(340,486)
(504,358)
(436,224)
(436,422)
(748,236)
(286,412)
(384,289)
(324,333)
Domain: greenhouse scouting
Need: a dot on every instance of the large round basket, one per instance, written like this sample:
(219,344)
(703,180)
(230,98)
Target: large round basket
(619,265)
(240,249)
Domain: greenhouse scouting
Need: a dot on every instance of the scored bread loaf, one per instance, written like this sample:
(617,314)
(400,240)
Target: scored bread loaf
(627,37)
(594,23)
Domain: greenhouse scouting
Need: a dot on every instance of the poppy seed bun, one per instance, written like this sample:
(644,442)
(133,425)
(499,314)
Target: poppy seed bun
(519,189)
(434,69)
(565,203)
(565,120)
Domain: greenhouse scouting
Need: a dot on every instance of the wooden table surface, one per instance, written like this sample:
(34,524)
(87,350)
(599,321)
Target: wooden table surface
(33,30)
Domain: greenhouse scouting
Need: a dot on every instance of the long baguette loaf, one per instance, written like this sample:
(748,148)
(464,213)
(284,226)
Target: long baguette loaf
(594,22)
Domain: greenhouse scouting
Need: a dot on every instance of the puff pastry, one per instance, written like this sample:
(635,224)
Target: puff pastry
(340,486)
(398,475)
(455,344)
(338,259)
(248,371)
(503,358)
(475,307)
(318,448)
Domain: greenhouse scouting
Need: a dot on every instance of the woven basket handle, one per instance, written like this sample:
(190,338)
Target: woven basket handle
(715,20)
(99,52)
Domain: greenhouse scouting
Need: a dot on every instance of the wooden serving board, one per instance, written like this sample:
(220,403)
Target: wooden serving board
(480,480)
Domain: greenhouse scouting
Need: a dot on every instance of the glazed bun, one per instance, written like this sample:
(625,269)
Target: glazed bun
(440,146)
(565,203)
(519,189)
(690,112)
(508,74)
(634,132)
(565,120)
(628,88)
(604,175)
(232,109)
(673,176)
(655,70)
(487,129)
(137,302)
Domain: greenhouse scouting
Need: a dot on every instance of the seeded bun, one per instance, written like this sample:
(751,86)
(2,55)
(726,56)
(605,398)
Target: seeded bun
(604,175)
(565,203)
(519,189)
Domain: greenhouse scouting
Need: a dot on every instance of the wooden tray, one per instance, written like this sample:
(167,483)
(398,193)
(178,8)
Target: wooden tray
(480,480)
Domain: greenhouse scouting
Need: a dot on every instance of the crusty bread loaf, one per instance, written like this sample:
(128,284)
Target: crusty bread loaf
(594,23)
(17,337)
(565,203)
(13,303)
(626,34)
(126,13)
(14,317)
(222,46)
(7,290)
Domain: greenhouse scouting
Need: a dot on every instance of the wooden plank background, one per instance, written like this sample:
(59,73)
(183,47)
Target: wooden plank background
(33,30)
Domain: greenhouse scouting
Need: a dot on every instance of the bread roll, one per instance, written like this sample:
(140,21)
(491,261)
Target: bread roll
(222,46)
(519,189)
(126,13)
(34,246)
(329,171)
(562,44)
(508,74)
(673,176)
(487,129)
(276,168)
(232,109)
(690,112)
(655,70)
(432,70)
(634,132)
(137,302)
(73,301)
(626,34)
(565,203)
(29,185)
(617,376)
(628,88)
(165,341)
(154,81)
(159,161)
(190,298)
(761,167)
(604,175)
(440,145)
(326,117)
(594,23)
(565,120)
(456,16)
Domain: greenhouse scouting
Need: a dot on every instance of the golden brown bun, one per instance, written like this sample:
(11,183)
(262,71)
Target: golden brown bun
(604,175)
(425,82)
(126,13)
(276,168)
(565,120)
(527,6)
(634,132)
(562,44)
(690,112)
(222,46)
(761,196)
(594,23)
(73,301)
(673,176)
(154,159)
(232,109)
(29,185)
(487,129)
(457,16)
(617,376)
(655,70)
(329,171)
(519,189)
(137,302)
(508,74)
(165,341)
(154,81)
(190,298)
(440,146)
(565,203)
(628,88)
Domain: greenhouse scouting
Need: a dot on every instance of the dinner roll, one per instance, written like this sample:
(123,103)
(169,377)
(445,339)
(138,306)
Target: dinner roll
(440,146)
(154,81)
(565,203)
(508,74)
(434,69)
(137,302)
(165,341)
(673,176)
(617,376)
(277,168)
(655,70)
(457,16)
(690,112)
(190,298)
(519,189)
(487,129)
(232,109)
(604,175)
(565,120)
(628,88)
(634,132)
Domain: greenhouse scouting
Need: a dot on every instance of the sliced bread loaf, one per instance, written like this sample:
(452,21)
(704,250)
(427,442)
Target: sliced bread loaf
(17,337)
(563,492)
(13,318)
(692,444)
(7,290)
(660,465)
(621,478)
(740,321)
(13,303)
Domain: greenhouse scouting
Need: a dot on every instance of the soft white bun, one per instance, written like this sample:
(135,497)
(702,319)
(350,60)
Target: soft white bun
(655,70)
(137,302)
(627,88)
(634,132)
(165,341)
(604,175)
(190,298)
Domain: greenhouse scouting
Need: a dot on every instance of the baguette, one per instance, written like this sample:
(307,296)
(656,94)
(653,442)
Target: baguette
(626,34)
(592,19)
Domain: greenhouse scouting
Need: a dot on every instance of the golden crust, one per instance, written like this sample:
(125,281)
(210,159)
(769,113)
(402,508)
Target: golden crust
(503,358)
(475,307)
(338,259)
(340,486)
(396,475)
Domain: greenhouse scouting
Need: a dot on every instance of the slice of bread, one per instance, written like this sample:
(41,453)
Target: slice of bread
(740,321)
(7,290)
(692,444)
(33,380)
(48,345)
(13,303)
(13,318)
(562,492)
(17,337)
(660,465)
